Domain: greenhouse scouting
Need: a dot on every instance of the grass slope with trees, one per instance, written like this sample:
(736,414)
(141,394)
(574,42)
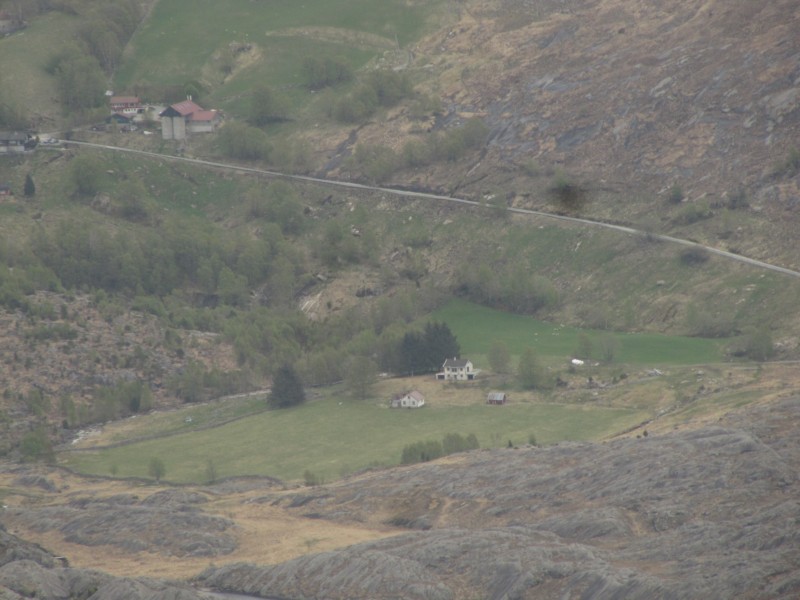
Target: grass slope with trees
(244,278)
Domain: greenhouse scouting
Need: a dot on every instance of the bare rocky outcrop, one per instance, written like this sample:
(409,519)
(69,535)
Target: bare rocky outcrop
(29,571)
(700,513)
(696,513)
(167,522)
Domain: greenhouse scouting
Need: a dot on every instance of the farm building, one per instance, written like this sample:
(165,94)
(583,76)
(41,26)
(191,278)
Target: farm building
(15,141)
(496,398)
(187,117)
(5,190)
(456,369)
(412,399)
(126,105)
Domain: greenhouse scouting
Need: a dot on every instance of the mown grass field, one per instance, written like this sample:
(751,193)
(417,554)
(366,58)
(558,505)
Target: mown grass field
(477,326)
(334,436)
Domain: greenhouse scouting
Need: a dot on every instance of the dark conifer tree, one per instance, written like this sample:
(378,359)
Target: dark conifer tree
(413,352)
(30,187)
(287,389)
(440,344)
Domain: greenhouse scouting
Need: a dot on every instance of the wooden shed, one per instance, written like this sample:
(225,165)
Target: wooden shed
(496,398)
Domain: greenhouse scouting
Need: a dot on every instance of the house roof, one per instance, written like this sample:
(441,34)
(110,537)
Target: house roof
(186,108)
(416,395)
(458,363)
(203,115)
(13,136)
(496,396)
(124,100)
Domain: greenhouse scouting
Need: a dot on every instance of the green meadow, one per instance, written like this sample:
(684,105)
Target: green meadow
(477,326)
(25,56)
(331,437)
(181,38)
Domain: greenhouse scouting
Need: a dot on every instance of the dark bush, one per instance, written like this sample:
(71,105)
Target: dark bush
(675,195)
(695,255)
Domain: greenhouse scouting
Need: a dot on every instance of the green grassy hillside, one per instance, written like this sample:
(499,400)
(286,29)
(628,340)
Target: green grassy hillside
(185,40)
(23,75)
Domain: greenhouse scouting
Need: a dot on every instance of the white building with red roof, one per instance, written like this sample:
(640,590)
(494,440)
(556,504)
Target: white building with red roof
(183,118)
(125,105)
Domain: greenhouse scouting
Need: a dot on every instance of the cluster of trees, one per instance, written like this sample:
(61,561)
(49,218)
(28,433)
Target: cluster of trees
(384,88)
(377,163)
(433,449)
(36,446)
(196,383)
(325,71)
(106,28)
(81,68)
(425,351)
(267,106)
(247,142)
(507,285)
(157,261)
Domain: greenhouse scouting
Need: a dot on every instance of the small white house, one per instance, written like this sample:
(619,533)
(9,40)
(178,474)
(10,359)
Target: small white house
(457,369)
(412,399)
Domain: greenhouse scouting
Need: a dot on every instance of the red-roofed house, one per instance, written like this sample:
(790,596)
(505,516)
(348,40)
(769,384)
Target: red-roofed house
(187,117)
(125,105)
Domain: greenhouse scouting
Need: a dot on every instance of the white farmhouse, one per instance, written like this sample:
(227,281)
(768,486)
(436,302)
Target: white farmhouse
(457,369)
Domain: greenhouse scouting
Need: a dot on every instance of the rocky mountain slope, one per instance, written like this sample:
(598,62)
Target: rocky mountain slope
(695,513)
(628,99)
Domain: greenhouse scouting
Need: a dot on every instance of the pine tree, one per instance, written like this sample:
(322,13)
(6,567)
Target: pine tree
(30,187)
(412,354)
(287,389)
(440,344)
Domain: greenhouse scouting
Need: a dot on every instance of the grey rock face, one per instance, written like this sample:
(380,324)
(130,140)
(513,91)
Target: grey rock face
(166,522)
(706,513)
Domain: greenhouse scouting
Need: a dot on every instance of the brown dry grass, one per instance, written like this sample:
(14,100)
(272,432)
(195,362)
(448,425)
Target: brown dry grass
(265,534)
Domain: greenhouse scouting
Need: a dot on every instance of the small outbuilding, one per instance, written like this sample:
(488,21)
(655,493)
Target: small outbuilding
(412,399)
(496,398)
